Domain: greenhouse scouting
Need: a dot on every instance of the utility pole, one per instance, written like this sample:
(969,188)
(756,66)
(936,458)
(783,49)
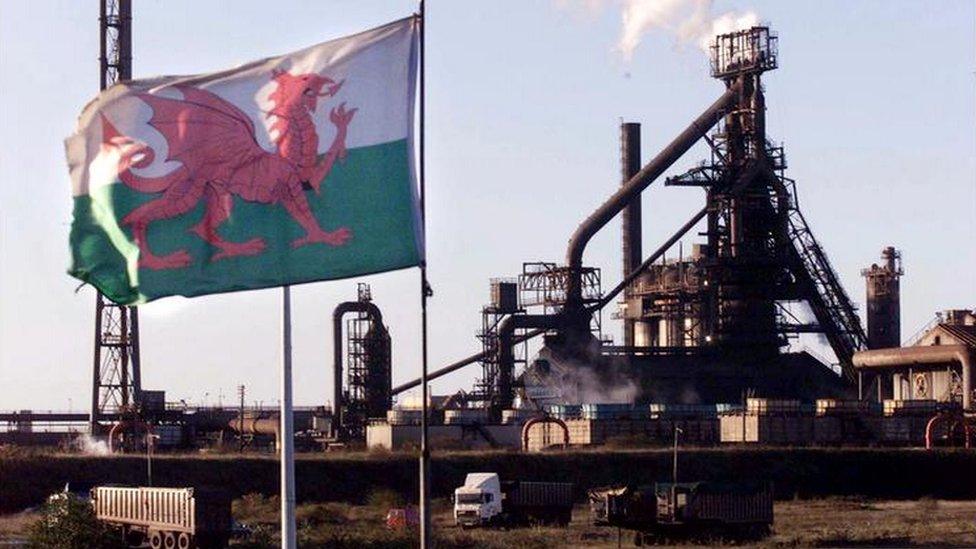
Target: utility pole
(240,419)
(116,377)
(674,475)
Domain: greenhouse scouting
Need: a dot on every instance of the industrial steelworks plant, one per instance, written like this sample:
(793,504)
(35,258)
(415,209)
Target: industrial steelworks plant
(709,333)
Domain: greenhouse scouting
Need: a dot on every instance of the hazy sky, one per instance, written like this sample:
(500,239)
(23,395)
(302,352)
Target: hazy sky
(874,101)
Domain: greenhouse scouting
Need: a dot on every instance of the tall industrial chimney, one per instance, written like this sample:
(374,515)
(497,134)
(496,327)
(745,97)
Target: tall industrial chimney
(884,300)
(630,164)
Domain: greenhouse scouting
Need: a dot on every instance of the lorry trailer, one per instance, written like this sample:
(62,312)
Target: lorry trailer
(686,509)
(484,499)
(178,518)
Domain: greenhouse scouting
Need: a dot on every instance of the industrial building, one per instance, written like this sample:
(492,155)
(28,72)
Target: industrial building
(711,328)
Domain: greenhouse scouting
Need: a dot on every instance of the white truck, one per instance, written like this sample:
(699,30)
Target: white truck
(484,499)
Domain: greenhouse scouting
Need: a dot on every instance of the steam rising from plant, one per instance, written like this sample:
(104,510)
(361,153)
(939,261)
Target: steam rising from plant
(689,21)
(558,379)
(90,446)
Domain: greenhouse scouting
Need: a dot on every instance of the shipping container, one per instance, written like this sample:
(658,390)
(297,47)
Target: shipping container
(465,416)
(833,406)
(612,411)
(773,406)
(545,502)
(564,411)
(404,417)
(767,428)
(910,407)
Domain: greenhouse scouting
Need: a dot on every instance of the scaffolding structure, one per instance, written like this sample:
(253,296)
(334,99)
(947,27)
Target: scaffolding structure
(540,288)
(368,368)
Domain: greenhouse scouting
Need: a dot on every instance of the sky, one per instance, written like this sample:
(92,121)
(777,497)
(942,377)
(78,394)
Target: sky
(875,102)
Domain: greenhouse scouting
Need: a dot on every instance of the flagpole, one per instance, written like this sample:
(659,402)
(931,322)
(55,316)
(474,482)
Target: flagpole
(286,435)
(424,294)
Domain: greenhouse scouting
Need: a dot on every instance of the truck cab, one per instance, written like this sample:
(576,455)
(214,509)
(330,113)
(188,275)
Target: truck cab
(479,500)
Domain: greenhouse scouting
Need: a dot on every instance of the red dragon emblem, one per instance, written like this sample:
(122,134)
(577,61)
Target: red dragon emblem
(220,158)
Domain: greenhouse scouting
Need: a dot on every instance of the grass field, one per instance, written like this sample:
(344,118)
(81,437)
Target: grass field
(830,522)
(825,496)
(805,473)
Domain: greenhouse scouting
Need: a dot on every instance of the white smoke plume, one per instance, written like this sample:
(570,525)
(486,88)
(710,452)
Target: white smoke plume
(557,379)
(689,21)
(90,446)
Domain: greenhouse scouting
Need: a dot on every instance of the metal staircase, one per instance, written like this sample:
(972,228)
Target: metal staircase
(835,312)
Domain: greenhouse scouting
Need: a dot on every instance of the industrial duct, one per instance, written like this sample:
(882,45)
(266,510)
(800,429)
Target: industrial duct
(374,314)
(935,354)
(633,188)
(455,366)
(628,194)
(506,355)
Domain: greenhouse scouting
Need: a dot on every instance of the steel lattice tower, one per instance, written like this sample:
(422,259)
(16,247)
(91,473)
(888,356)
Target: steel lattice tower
(116,383)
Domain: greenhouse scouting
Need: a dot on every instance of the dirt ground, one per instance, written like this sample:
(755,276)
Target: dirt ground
(833,522)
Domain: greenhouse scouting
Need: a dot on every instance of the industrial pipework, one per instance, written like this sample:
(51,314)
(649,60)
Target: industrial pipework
(370,389)
(932,354)
(631,191)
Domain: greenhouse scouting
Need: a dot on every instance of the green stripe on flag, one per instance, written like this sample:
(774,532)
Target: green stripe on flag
(369,193)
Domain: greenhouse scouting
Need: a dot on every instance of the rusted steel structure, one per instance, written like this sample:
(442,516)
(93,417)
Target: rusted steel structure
(732,293)
(720,317)
(366,392)
(884,300)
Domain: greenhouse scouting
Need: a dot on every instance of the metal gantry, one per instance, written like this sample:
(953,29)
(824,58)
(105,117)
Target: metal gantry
(760,254)
(116,383)
(540,288)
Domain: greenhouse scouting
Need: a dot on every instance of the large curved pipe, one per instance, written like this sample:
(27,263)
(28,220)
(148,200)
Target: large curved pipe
(374,314)
(126,424)
(544,419)
(934,354)
(740,184)
(506,353)
(609,296)
(633,188)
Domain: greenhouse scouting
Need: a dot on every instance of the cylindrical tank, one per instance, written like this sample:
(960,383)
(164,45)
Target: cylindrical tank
(379,379)
(256,424)
(884,300)
(630,164)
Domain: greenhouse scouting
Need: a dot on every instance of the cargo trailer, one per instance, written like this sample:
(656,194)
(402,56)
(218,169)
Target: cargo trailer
(165,517)
(742,510)
(485,500)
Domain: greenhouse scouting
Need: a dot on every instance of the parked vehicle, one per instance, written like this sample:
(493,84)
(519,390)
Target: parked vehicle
(166,517)
(485,500)
(691,508)
(402,518)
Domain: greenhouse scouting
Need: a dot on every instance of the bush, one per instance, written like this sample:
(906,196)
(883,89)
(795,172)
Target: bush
(257,509)
(384,499)
(68,522)
(321,514)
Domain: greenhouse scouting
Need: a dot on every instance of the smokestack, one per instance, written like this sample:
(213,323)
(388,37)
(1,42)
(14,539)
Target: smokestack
(884,300)
(630,164)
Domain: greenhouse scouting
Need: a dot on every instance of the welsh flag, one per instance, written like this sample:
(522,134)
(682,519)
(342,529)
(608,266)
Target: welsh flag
(286,170)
